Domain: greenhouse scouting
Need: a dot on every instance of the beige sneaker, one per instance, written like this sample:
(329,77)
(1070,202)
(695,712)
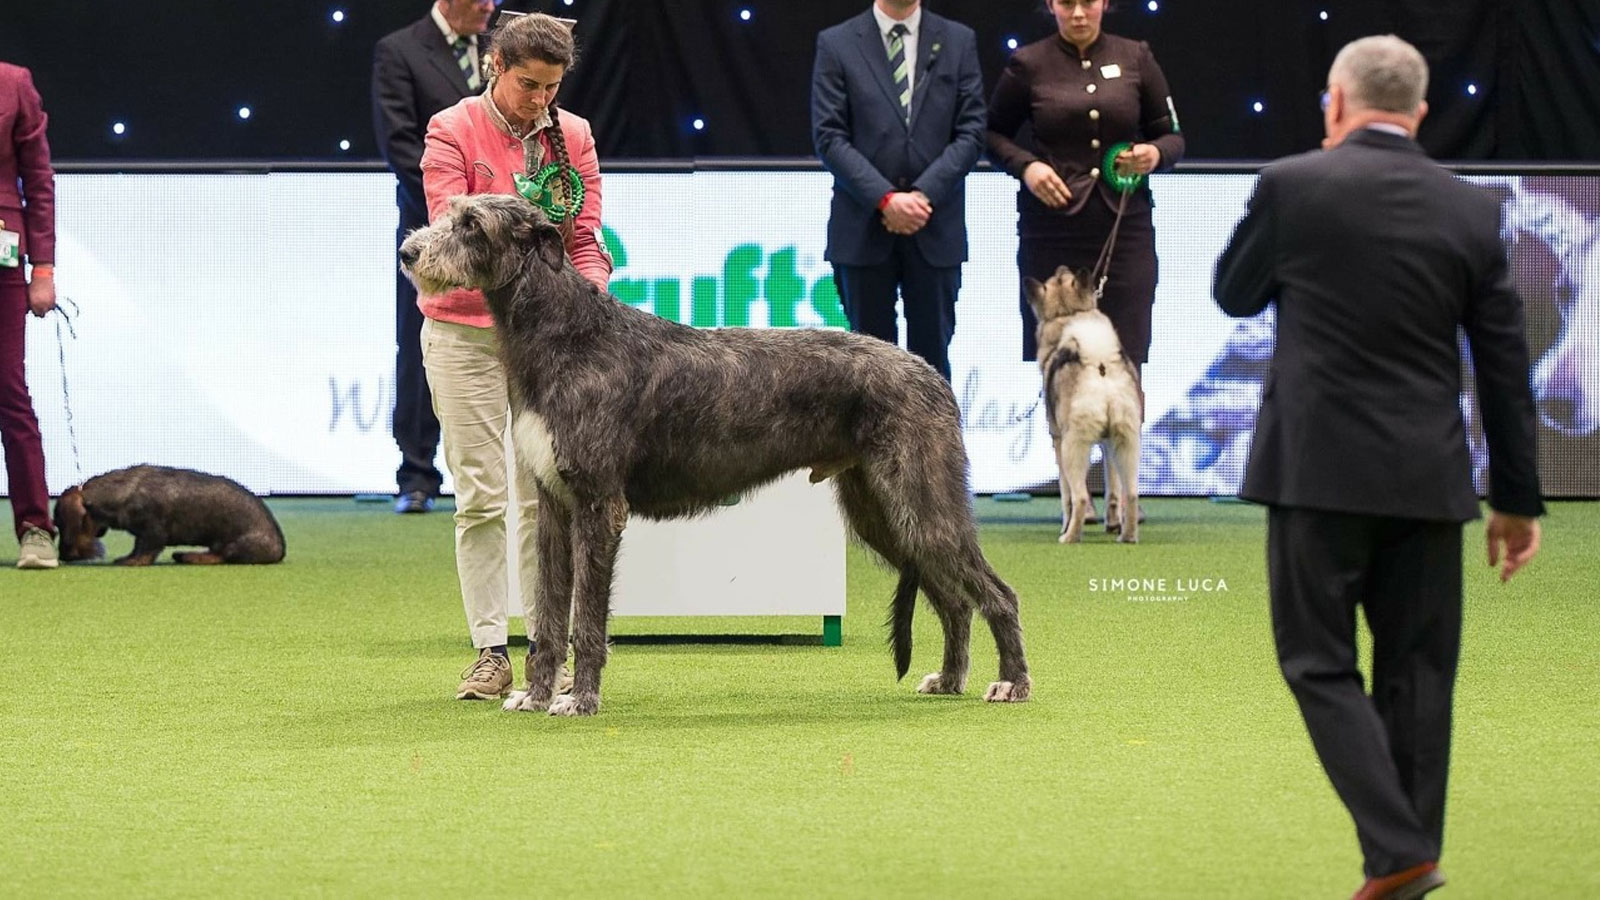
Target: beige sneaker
(38,550)
(489,678)
(563,682)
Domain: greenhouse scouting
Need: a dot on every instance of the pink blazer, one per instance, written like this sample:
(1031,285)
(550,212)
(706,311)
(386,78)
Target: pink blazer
(466,152)
(25,155)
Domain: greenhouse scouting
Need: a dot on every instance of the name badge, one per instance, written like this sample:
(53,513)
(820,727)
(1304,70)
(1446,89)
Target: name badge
(1111,71)
(10,248)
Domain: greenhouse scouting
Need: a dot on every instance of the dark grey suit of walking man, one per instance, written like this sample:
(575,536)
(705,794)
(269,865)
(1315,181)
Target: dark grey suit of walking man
(1375,257)
(899,152)
(415,73)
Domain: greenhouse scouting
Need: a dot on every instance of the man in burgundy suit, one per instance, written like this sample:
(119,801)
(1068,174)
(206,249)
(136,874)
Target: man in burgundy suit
(27,221)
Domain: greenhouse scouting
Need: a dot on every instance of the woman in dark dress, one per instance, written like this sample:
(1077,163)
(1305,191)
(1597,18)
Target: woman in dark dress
(1083,92)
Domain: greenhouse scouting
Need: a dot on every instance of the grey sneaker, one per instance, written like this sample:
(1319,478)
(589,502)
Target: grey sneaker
(488,678)
(38,550)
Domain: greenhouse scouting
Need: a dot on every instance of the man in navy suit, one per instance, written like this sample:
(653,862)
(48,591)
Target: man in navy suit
(422,68)
(897,115)
(1376,258)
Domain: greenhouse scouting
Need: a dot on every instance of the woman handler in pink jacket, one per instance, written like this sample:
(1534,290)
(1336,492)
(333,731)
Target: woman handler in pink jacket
(510,139)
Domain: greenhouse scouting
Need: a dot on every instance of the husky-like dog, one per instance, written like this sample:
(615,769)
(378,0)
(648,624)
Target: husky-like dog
(165,507)
(1091,395)
(620,412)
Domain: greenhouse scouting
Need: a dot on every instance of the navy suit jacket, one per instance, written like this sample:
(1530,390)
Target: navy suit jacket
(1377,258)
(864,141)
(414,76)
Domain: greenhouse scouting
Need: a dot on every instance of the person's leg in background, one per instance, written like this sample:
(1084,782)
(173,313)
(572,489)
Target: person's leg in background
(415,427)
(469,395)
(19,431)
(868,294)
(929,295)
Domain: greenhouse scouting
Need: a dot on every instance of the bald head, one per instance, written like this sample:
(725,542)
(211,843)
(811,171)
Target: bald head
(1381,73)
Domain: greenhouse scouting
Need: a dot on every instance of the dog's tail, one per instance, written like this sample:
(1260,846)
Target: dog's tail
(905,603)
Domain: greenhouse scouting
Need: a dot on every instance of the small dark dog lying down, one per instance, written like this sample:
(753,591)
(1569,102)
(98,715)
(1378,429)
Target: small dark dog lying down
(163,507)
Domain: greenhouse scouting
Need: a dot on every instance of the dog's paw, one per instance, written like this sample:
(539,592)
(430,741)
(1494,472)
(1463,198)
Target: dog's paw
(939,683)
(1071,536)
(522,701)
(1007,692)
(1131,536)
(575,705)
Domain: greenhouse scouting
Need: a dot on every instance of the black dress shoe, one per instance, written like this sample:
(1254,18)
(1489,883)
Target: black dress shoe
(413,502)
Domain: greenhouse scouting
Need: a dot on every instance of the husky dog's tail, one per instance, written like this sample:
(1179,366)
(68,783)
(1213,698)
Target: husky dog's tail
(905,603)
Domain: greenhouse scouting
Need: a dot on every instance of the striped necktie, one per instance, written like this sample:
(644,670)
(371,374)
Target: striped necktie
(464,60)
(900,68)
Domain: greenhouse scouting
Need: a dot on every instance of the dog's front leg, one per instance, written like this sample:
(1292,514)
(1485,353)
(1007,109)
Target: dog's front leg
(596,534)
(147,545)
(552,606)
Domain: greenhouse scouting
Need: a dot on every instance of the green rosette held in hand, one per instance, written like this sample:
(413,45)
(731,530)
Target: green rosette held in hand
(537,190)
(1126,184)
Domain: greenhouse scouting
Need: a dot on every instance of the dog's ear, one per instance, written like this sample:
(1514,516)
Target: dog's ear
(1035,292)
(550,246)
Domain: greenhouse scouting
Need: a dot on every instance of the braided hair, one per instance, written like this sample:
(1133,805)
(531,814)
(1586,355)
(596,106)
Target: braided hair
(548,40)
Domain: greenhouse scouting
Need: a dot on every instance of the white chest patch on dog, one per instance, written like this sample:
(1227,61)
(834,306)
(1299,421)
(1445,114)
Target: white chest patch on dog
(536,449)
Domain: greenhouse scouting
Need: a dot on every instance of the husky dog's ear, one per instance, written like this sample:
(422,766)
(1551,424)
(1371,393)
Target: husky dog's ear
(1035,292)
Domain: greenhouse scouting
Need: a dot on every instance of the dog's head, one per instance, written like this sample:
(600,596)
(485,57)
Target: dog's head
(1065,293)
(80,533)
(483,242)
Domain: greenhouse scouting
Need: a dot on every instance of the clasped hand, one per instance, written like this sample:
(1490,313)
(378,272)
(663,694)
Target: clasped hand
(907,212)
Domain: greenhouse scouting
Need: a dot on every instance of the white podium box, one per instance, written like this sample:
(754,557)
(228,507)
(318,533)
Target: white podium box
(777,552)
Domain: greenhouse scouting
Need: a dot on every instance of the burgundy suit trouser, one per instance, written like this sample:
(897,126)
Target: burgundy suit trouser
(19,427)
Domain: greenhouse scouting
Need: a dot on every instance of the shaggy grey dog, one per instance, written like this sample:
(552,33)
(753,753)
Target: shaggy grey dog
(618,411)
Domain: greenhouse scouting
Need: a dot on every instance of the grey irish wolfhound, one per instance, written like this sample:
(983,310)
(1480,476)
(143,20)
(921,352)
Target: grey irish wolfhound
(618,411)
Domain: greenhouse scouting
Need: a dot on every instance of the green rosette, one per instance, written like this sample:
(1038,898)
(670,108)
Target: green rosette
(1108,170)
(537,190)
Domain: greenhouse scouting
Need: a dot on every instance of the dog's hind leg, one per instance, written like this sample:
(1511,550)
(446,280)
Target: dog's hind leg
(1128,476)
(1111,453)
(552,606)
(955,615)
(257,548)
(596,534)
(1073,458)
(965,573)
(198,558)
(999,606)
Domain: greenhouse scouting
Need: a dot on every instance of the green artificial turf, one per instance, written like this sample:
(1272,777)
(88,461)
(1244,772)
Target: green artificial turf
(289,730)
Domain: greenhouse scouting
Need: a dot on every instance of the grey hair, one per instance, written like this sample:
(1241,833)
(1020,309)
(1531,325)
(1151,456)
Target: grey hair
(1382,73)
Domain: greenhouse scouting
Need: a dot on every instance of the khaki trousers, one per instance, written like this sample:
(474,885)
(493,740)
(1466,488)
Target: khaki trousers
(470,399)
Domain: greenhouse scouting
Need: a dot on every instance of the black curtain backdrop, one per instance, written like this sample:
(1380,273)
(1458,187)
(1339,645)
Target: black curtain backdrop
(176,72)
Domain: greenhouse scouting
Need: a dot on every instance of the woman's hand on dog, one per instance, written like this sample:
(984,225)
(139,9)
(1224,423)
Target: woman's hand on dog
(1042,180)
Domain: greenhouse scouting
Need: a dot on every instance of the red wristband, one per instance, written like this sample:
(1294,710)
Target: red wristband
(885,201)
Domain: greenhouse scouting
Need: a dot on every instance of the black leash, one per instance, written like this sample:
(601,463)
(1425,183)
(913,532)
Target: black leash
(65,319)
(1102,268)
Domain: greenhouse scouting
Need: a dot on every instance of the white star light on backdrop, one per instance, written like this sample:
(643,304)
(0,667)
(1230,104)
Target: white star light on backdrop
(338,15)
(118,128)
(744,15)
(244,112)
